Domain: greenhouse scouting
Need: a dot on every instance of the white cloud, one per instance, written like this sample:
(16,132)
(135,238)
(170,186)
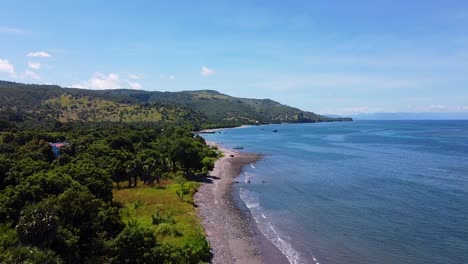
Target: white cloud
(206,71)
(101,81)
(134,85)
(34,65)
(7,67)
(40,54)
(172,77)
(31,75)
(135,76)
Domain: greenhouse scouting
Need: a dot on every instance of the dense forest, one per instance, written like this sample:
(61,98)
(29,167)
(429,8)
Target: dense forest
(90,201)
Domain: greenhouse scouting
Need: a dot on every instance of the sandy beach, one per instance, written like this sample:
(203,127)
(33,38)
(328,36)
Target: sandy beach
(233,236)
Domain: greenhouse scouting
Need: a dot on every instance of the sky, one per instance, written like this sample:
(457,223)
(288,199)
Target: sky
(330,57)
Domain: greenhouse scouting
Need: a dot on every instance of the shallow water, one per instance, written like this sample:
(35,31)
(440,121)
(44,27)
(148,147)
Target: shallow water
(359,192)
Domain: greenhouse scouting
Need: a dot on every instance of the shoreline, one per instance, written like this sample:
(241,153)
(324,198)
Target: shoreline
(215,130)
(232,232)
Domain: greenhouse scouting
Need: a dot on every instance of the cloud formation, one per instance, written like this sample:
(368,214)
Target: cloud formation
(206,71)
(101,81)
(39,54)
(7,67)
(34,65)
(134,85)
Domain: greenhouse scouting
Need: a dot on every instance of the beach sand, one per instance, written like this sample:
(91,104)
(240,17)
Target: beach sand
(233,236)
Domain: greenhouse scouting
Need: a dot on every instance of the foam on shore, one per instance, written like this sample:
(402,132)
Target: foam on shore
(268,230)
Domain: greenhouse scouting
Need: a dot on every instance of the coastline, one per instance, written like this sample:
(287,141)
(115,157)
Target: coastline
(215,130)
(232,232)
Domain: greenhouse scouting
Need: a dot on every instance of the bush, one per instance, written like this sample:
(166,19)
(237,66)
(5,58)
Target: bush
(167,229)
(136,244)
(30,255)
(160,217)
(137,204)
(193,251)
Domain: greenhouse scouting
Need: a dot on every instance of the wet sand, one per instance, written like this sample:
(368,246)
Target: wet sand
(232,233)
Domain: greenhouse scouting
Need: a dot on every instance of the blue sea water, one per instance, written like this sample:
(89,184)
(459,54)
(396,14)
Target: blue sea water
(359,192)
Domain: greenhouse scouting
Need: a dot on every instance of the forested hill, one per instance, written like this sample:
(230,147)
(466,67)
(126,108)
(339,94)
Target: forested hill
(207,108)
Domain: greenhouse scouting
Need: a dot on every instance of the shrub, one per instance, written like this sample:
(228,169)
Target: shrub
(193,251)
(167,229)
(136,244)
(160,217)
(30,255)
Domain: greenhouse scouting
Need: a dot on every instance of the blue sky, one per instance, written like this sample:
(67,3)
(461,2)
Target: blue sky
(334,57)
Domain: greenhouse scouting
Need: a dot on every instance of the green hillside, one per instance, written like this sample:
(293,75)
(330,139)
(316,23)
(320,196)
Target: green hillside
(47,103)
(223,109)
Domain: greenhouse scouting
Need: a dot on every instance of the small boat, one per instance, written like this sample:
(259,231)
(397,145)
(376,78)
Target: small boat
(276,130)
(238,147)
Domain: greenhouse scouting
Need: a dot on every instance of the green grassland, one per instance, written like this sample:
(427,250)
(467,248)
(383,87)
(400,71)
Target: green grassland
(141,203)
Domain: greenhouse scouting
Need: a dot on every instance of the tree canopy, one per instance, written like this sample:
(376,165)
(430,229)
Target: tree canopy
(60,209)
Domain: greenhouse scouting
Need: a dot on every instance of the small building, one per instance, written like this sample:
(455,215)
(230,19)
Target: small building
(56,147)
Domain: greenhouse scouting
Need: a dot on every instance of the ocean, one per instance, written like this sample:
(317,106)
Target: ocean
(358,192)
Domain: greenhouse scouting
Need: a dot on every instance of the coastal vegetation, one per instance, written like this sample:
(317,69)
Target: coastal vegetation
(115,194)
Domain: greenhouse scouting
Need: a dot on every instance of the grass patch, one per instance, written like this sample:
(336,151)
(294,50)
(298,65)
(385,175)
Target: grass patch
(174,221)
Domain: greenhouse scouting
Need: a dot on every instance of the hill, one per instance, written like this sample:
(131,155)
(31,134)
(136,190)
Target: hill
(208,108)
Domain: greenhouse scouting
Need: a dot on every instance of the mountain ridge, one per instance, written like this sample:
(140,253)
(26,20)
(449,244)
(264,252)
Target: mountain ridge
(209,108)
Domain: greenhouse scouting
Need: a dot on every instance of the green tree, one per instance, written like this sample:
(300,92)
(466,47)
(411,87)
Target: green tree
(153,166)
(133,169)
(32,190)
(86,222)
(118,171)
(96,179)
(30,255)
(187,153)
(136,244)
(38,225)
(5,166)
